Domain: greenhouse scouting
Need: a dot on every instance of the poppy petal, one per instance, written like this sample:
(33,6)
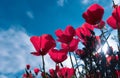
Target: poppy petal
(112,22)
(74,45)
(47,42)
(116,13)
(70,31)
(58,56)
(36,42)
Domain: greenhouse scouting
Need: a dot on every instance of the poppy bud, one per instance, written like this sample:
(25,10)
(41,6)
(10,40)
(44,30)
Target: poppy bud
(36,70)
(27,66)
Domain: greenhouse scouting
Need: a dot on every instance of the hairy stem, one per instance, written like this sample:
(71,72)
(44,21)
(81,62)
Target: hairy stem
(71,60)
(43,61)
(77,64)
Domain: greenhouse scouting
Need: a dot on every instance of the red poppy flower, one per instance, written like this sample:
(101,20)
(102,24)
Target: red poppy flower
(100,25)
(58,56)
(116,13)
(88,26)
(118,73)
(72,46)
(65,36)
(66,72)
(114,20)
(84,31)
(113,23)
(52,73)
(79,52)
(27,66)
(36,70)
(94,14)
(42,44)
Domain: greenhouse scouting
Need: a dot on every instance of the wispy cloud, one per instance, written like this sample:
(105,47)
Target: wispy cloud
(85,1)
(117,2)
(30,14)
(61,2)
(3,76)
(15,48)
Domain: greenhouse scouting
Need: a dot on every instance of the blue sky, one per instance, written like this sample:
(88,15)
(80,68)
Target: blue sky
(44,16)
(20,19)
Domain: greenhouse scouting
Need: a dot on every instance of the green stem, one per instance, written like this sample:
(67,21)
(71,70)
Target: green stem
(104,43)
(90,64)
(61,65)
(77,64)
(105,38)
(119,39)
(72,63)
(71,60)
(43,61)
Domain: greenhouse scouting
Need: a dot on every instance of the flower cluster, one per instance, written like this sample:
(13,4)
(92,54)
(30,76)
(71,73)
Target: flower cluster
(95,64)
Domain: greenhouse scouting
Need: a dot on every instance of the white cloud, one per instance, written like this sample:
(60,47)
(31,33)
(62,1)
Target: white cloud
(85,1)
(111,42)
(67,62)
(30,14)
(15,48)
(61,2)
(3,76)
(117,2)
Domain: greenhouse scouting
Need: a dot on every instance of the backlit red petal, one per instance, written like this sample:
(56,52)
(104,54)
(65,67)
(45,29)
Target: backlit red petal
(36,42)
(58,56)
(70,31)
(112,22)
(47,42)
(73,45)
(116,13)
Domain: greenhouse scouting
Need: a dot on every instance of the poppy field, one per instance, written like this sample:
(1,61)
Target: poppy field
(95,62)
